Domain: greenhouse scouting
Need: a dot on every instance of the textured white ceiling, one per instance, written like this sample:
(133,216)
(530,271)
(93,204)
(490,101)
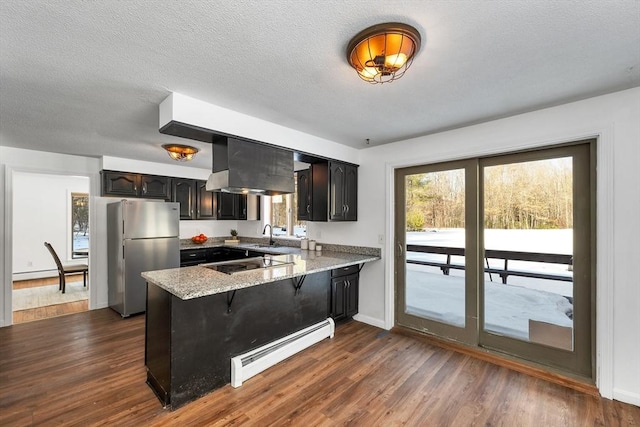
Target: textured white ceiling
(86,77)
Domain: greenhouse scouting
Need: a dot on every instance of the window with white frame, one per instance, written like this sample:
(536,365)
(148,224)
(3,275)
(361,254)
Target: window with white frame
(79,225)
(282,213)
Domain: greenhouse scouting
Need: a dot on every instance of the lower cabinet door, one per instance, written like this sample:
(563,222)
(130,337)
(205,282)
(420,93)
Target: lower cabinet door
(338,294)
(352,291)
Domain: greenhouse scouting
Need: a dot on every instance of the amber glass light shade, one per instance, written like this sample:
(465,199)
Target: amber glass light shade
(382,53)
(181,153)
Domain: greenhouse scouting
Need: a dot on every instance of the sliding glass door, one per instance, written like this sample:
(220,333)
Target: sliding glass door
(498,253)
(436,251)
(535,296)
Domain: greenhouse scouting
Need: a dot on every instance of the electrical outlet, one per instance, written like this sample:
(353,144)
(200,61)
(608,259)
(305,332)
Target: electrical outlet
(381,239)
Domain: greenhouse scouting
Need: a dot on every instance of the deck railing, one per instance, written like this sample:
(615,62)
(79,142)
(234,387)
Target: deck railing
(505,256)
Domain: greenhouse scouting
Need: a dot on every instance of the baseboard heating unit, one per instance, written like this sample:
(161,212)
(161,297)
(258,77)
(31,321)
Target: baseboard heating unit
(255,361)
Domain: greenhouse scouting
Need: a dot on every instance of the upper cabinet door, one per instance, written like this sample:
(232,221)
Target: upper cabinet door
(351,193)
(337,178)
(184,192)
(206,202)
(228,205)
(155,187)
(242,206)
(120,184)
(304,194)
(343,192)
(136,185)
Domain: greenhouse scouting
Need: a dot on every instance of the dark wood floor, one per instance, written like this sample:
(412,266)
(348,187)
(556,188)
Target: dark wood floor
(88,369)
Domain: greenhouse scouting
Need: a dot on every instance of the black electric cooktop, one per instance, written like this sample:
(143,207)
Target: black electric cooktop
(239,266)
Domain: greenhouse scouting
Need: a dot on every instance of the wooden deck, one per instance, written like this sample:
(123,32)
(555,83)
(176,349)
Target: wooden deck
(88,369)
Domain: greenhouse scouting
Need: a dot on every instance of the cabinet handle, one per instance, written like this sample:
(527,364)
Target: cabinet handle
(308,208)
(399,249)
(347,208)
(135,188)
(144,188)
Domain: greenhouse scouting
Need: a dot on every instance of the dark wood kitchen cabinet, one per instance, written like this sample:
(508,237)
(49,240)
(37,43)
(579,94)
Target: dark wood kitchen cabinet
(196,256)
(206,205)
(328,192)
(237,206)
(345,288)
(195,201)
(198,203)
(242,206)
(305,202)
(125,184)
(343,192)
(185,193)
(155,187)
(313,192)
(120,184)
(228,205)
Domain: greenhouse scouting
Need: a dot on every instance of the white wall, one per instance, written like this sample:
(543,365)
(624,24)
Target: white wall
(615,120)
(42,212)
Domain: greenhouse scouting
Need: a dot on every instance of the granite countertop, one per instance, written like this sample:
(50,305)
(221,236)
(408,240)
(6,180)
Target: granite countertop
(194,282)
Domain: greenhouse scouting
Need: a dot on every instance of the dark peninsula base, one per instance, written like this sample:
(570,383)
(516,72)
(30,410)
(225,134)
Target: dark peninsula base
(189,343)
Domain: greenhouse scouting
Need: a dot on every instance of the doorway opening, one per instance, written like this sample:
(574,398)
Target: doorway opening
(58,215)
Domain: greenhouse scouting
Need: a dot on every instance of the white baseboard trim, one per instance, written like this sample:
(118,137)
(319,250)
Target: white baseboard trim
(378,323)
(626,396)
(34,275)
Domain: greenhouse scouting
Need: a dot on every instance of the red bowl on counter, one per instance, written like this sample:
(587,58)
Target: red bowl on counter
(200,239)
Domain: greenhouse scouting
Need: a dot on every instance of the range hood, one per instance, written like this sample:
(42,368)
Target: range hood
(247,167)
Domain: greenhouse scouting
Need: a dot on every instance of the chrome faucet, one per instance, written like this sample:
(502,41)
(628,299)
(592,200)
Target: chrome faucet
(264,231)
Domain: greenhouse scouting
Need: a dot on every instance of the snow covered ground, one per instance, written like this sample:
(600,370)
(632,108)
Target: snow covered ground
(80,241)
(508,307)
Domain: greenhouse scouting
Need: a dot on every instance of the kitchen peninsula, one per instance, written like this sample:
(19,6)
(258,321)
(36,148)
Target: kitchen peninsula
(199,317)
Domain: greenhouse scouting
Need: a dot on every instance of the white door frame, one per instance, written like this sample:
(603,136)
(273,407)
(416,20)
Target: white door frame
(604,234)
(94,189)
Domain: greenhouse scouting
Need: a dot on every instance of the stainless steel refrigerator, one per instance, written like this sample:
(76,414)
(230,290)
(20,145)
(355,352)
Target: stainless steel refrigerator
(141,236)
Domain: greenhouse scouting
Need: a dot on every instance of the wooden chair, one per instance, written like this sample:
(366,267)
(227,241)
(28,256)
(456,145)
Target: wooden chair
(69,269)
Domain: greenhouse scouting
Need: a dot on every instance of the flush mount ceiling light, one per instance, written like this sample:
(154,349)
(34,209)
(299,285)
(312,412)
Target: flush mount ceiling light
(382,53)
(181,153)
